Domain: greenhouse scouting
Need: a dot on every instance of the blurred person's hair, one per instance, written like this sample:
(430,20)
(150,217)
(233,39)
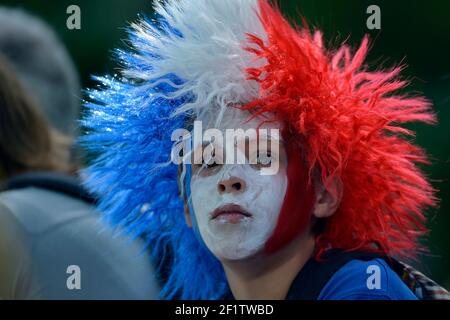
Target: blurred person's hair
(43,66)
(27,143)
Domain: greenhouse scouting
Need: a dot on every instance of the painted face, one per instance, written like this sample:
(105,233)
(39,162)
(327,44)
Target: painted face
(236,207)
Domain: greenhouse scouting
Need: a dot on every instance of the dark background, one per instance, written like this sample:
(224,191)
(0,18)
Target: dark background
(413,32)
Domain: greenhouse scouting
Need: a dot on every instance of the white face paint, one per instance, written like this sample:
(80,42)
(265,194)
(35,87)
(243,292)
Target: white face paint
(232,235)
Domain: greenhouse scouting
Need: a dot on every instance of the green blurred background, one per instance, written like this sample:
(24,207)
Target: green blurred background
(413,32)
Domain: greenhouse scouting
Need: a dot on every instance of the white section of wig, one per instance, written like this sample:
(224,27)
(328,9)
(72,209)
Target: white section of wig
(210,55)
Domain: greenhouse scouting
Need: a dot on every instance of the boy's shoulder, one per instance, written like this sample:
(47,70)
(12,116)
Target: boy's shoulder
(366,280)
(357,275)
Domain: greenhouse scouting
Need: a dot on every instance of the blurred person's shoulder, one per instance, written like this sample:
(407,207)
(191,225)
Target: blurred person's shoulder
(16,275)
(43,201)
(64,232)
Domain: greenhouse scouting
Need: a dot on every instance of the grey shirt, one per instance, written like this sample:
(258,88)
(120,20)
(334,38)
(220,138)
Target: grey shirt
(53,246)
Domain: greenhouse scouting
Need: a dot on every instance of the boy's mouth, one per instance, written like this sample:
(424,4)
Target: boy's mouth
(230,213)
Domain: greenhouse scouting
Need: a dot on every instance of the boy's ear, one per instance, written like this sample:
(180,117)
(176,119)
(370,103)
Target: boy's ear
(327,199)
(187,216)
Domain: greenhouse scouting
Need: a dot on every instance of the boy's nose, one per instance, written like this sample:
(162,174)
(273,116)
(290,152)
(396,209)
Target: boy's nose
(231,185)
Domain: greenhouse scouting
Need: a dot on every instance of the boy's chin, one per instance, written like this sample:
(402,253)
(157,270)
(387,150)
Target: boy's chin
(231,255)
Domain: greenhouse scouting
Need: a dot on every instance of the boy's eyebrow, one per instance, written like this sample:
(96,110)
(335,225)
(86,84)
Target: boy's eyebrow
(269,138)
(247,139)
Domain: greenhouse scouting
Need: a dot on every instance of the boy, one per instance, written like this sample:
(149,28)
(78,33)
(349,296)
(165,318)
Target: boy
(330,191)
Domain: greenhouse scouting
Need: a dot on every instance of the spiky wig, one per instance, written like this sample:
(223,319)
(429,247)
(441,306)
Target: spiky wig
(202,56)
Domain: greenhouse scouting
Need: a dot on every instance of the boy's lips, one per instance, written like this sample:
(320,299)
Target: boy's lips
(231,211)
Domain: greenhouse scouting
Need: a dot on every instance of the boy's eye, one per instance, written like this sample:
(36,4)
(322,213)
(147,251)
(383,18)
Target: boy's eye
(264,159)
(209,164)
(211,161)
(207,168)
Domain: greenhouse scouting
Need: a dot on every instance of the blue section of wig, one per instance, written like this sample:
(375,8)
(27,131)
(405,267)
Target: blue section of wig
(128,131)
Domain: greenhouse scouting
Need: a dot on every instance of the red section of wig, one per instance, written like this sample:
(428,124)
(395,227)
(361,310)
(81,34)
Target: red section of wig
(350,123)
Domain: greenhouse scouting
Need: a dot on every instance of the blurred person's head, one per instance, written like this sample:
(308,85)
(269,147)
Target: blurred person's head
(27,143)
(43,66)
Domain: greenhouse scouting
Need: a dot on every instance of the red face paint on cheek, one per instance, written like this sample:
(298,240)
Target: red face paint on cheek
(298,201)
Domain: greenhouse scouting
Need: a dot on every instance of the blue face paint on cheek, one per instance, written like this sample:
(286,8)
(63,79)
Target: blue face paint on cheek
(187,188)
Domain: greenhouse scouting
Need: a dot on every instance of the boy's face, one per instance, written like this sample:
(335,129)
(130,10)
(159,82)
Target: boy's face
(236,207)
